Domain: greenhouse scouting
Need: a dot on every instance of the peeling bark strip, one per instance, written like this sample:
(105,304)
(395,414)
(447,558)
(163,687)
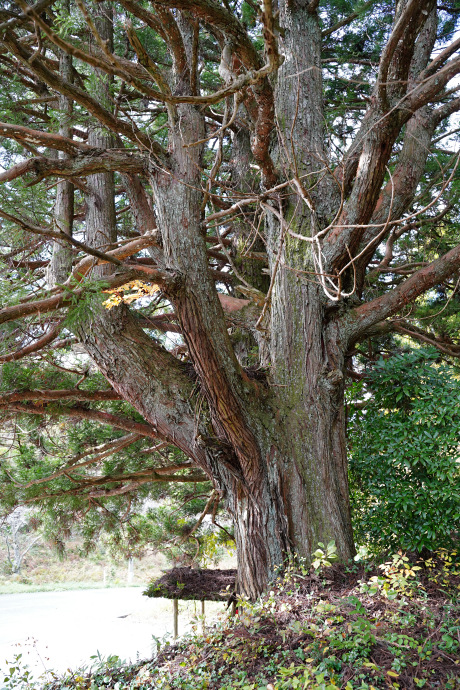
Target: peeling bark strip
(296,223)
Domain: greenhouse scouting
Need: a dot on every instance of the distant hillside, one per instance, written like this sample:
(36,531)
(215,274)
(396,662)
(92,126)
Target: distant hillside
(43,569)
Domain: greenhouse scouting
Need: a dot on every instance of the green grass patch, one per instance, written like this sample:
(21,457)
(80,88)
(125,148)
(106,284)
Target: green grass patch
(21,588)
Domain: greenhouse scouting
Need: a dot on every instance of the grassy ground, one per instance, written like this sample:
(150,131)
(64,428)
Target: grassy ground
(43,571)
(7,587)
(355,628)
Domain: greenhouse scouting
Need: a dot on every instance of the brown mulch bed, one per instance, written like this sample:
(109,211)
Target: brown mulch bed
(193,583)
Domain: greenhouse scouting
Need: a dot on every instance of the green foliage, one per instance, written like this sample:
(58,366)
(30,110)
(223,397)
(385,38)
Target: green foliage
(172,532)
(82,304)
(305,636)
(18,675)
(398,577)
(324,555)
(248,14)
(404,469)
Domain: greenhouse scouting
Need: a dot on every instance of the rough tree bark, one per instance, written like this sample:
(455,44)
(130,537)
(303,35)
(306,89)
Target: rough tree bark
(61,260)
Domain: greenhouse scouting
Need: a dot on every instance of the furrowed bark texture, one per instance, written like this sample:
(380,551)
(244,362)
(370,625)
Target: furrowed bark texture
(259,521)
(306,351)
(100,216)
(277,458)
(61,259)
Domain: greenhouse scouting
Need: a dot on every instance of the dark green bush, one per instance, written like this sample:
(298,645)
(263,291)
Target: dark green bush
(405,455)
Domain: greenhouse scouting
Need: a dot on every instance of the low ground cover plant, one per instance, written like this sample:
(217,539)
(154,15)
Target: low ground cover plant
(357,627)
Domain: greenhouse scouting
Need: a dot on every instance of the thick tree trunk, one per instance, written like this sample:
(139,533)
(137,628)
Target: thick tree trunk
(303,490)
(276,453)
(283,478)
(273,443)
(313,461)
(301,430)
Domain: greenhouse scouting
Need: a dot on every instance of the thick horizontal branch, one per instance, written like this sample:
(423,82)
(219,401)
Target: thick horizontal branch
(34,137)
(114,256)
(101,449)
(117,421)
(429,88)
(94,161)
(50,395)
(60,300)
(362,318)
(106,451)
(132,485)
(37,345)
(24,16)
(421,336)
(160,322)
(148,478)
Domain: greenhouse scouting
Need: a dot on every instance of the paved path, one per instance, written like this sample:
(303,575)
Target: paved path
(69,627)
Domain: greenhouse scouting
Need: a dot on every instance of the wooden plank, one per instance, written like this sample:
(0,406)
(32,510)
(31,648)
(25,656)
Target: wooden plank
(176,619)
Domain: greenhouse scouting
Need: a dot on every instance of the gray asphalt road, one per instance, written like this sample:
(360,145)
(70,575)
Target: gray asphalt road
(61,630)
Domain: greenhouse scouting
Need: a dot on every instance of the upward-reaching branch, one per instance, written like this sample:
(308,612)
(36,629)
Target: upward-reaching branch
(373,146)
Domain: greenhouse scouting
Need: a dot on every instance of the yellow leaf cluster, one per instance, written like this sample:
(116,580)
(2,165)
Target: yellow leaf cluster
(129,292)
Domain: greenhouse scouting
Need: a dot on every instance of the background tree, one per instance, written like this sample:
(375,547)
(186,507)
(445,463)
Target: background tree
(19,534)
(271,169)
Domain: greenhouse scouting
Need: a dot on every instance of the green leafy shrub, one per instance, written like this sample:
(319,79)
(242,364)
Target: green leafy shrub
(404,464)
(324,555)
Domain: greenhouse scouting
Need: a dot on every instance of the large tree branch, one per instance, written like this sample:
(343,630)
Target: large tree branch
(362,318)
(114,256)
(175,43)
(374,143)
(446,110)
(225,21)
(87,491)
(76,412)
(432,86)
(92,161)
(24,16)
(406,328)
(53,395)
(109,63)
(146,375)
(396,57)
(73,465)
(143,214)
(62,299)
(49,139)
(115,68)
(397,195)
(147,17)
(37,345)
(440,59)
